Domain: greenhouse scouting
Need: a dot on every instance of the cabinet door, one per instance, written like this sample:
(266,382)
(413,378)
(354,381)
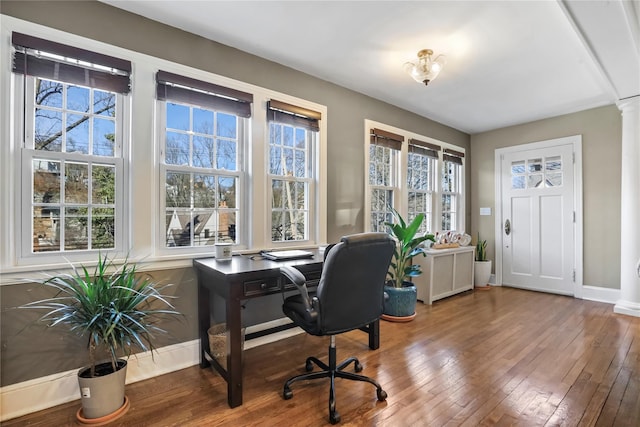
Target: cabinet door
(443,275)
(464,271)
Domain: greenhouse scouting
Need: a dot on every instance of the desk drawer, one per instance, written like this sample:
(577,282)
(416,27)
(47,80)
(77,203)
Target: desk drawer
(261,287)
(312,280)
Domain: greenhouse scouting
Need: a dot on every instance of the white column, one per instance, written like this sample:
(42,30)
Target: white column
(629,302)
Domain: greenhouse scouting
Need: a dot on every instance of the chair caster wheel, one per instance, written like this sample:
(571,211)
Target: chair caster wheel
(308,366)
(382,395)
(334,418)
(358,367)
(287,394)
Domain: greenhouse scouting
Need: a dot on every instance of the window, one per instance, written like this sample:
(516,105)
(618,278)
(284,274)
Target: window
(451,189)
(72,139)
(384,149)
(422,161)
(531,174)
(413,178)
(293,135)
(201,166)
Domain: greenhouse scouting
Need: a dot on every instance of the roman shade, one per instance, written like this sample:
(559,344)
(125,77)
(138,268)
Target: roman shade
(178,88)
(452,156)
(293,115)
(423,148)
(50,60)
(386,139)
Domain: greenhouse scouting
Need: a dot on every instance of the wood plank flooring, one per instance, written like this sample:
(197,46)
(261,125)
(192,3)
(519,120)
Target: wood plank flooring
(483,358)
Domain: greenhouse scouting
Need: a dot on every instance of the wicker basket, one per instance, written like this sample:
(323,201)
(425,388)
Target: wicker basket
(218,343)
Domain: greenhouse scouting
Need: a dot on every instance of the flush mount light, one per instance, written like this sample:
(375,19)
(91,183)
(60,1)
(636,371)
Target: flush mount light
(425,68)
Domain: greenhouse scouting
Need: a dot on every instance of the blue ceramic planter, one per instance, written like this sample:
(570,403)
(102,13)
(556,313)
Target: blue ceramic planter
(402,301)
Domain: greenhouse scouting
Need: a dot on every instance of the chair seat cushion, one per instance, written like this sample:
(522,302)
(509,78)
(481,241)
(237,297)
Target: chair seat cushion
(294,308)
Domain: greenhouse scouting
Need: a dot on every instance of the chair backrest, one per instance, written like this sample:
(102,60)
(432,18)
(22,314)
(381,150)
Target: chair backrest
(351,288)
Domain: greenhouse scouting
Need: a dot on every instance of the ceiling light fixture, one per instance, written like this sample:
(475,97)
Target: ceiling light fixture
(425,69)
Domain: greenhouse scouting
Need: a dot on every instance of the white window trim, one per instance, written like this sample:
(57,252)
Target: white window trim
(23,153)
(401,196)
(141,168)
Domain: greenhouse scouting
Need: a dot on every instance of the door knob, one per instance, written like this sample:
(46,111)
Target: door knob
(507,227)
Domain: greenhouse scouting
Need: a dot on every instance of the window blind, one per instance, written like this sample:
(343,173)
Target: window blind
(452,156)
(386,139)
(424,148)
(38,57)
(282,112)
(174,87)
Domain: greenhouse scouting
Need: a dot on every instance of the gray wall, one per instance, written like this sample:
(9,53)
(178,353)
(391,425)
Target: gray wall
(601,130)
(28,351)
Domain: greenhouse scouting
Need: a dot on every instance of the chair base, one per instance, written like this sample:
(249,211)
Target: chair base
(332,371)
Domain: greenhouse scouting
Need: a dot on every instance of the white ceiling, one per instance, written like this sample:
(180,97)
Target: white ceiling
(508,62)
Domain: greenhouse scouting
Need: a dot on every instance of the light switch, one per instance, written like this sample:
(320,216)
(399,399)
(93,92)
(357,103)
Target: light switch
(485,211)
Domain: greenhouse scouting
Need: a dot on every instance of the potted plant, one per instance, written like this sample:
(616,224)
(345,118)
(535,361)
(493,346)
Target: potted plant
(481,266)
(402,295)
(116,309)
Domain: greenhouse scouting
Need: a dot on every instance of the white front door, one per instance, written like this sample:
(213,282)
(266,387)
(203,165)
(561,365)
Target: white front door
(537,218)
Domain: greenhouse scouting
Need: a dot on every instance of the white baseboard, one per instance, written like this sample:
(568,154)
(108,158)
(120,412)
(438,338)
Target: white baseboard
(45,392)
(34,395)
(595,293)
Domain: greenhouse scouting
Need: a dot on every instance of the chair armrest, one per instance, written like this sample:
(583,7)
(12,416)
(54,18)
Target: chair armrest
(298,279)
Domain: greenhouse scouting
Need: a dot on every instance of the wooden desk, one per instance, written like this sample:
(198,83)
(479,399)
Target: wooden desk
(237,280)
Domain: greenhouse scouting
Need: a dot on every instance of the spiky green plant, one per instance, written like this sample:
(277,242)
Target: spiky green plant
(481,249)
(115,307)
(408,247)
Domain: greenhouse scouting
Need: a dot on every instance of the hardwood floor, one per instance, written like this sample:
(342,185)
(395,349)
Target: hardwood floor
(490,358)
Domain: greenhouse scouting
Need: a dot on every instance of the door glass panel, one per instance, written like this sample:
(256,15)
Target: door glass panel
(554,179)
(534,165)
(517,167)
(553,163)
(517,182)
(535,181)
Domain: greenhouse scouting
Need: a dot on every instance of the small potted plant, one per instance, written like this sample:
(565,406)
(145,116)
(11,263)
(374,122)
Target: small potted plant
(402,294)
(116,309)
(481,266)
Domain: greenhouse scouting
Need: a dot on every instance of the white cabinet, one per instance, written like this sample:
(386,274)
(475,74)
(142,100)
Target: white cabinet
(445,272)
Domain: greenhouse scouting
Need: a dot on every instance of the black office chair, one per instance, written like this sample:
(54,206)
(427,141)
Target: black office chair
(350,296)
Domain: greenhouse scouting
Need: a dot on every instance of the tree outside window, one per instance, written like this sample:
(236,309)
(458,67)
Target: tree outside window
(201,155)
(74,191)
(289,157)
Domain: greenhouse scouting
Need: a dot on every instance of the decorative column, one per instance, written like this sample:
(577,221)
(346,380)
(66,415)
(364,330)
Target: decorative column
(629,302)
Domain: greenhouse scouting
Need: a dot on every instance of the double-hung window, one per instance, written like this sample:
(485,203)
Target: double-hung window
(451,189)
(202,153)
(72,167)
(422,163)
(421,176)
(384,154)
(293,135)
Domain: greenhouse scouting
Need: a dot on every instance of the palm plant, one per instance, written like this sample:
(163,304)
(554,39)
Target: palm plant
(408,247)
(115,307)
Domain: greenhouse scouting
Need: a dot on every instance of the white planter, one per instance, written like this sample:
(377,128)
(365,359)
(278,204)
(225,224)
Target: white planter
(102,395)
(481,273)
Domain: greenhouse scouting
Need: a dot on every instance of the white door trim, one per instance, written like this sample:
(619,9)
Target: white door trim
(576,142)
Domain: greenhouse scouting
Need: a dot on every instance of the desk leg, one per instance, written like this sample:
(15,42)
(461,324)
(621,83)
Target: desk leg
(374,335)
(203,321)
(234,357)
